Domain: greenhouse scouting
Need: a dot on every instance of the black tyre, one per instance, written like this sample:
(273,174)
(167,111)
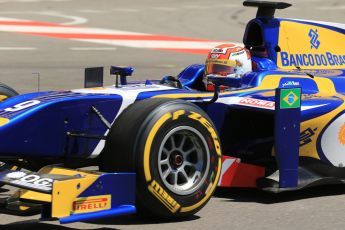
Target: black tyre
(174,150)
(6,92)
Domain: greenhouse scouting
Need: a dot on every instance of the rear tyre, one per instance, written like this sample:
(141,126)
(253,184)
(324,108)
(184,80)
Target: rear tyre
(174,150)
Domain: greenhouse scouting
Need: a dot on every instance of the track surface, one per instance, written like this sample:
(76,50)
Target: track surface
(60,63)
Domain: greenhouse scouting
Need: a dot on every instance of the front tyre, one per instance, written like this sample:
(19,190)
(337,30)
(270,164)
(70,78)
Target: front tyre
(6,92)
(174,149)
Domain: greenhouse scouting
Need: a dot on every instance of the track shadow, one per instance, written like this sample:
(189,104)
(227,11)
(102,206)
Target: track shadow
(258,196)
(36,225)
(228,194)
(138,220)
(3,193)
(2,190)
(121,220)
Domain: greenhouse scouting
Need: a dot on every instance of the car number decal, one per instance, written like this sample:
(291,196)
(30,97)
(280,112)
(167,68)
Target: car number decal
(22,105)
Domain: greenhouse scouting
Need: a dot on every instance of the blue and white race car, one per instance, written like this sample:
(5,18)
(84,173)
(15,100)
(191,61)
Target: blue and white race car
(162,147)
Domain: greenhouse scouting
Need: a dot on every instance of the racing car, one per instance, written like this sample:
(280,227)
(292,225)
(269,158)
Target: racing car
(162,147)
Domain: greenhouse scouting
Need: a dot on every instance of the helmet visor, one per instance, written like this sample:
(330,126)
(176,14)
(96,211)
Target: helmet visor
(221,67)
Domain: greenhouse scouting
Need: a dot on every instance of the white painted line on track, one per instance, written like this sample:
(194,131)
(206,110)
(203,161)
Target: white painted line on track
(66,30)
(92,48)
(155,44)
(75,20)
(17,48)
(109,36)
(13,19)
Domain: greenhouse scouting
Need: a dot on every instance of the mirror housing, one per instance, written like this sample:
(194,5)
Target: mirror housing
(123,72)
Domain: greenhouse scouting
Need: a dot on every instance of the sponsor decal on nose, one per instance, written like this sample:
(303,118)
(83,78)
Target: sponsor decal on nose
(91,204)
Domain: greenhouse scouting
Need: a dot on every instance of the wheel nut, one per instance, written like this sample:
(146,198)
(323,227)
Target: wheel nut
(178,160)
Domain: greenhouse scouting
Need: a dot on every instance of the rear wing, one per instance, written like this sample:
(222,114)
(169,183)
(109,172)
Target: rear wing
(294,44)
(266,8)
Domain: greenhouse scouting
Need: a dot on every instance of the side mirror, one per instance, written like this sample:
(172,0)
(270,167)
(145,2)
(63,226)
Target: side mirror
(123,72)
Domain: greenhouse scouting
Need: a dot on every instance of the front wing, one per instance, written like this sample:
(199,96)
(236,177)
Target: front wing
(74,195)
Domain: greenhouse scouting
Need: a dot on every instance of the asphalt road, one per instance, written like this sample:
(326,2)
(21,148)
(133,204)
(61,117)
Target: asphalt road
(60,62)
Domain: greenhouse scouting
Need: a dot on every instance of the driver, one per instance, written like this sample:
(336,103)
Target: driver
(227,61)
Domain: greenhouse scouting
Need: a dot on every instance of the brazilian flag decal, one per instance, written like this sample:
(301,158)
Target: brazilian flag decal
(290,98)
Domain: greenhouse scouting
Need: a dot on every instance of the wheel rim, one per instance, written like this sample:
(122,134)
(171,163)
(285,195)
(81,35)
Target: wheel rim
(183,160)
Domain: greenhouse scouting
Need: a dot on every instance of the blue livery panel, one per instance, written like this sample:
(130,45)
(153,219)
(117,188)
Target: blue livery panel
(38,126)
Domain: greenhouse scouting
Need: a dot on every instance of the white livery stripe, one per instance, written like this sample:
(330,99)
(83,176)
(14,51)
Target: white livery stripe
(333,24)
(129,95)
(247,101)
(307,107)
(225,166)
(17,48)
(256,103)
(22,183)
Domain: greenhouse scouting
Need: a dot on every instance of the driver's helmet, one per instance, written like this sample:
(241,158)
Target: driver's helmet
(228,60)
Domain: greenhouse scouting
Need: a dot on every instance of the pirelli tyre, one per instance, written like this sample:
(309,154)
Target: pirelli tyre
(175,151)
(6,92)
